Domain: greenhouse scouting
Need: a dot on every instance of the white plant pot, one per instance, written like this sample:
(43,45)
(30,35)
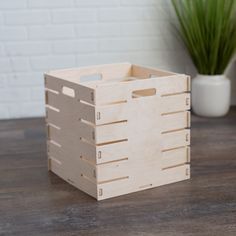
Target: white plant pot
(211,95)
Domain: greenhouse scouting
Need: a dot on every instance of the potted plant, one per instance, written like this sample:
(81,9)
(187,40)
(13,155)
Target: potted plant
(208,30)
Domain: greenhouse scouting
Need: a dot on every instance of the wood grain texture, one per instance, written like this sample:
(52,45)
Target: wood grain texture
(34,201)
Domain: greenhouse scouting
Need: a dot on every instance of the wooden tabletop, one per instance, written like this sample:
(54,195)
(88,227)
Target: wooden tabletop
(35,202)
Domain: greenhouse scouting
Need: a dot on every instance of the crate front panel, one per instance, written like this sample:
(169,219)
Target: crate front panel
(119,138)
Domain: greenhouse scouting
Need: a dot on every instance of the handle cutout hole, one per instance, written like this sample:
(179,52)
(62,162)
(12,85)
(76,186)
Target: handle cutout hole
(89,78)
(144,93)
(68,91)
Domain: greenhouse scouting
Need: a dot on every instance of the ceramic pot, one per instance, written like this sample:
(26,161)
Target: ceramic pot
(211,95)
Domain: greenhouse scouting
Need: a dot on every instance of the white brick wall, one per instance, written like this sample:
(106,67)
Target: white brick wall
(38,35)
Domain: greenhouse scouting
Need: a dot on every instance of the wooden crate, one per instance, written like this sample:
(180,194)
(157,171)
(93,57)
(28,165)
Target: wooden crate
(126,129)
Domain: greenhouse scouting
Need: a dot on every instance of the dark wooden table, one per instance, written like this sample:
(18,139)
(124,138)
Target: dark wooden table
(35,202)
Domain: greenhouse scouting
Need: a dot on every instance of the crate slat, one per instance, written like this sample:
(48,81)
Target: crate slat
(176,139)
(175,121)
(175,103)
(175,157)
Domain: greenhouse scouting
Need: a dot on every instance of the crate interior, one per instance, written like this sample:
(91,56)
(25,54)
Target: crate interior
(114,73)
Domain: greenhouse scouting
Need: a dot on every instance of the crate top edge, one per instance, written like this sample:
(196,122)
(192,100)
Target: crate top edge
(80,68)
(123,70)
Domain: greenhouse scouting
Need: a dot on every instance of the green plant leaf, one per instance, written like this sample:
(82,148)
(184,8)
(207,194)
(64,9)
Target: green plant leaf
(208,30)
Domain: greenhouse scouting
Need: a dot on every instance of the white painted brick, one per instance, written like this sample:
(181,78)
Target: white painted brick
(36,108)
(50,3)
(14,64)
(37,93)
(14,94)
(4,112)
(88,59)
(153,43)
(117,45)
(5,65)
(156,13)
(13,33)
(103,58)
(13,4)
(97,30)
(141,29)
(108,29)
(74,16)
(2,50)
(27,48)
(78,46)
(172,43)
(29,17)
(120,14)
(25,79)
(51,32)
(15,110)
(1,19)
(53,62)
(19,64)
(97,3)
(140,2)
(27,109)
(2,81)
(86,30)
(151,58)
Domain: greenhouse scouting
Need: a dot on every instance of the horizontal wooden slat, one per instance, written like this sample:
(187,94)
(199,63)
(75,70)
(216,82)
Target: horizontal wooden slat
(111,113)
(111,132)
(112,151)
(175,157)
(176,139)
(113,170)
(174,121)
(175,103)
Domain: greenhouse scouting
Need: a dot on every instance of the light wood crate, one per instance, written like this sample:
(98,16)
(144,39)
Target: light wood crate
(126,132)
